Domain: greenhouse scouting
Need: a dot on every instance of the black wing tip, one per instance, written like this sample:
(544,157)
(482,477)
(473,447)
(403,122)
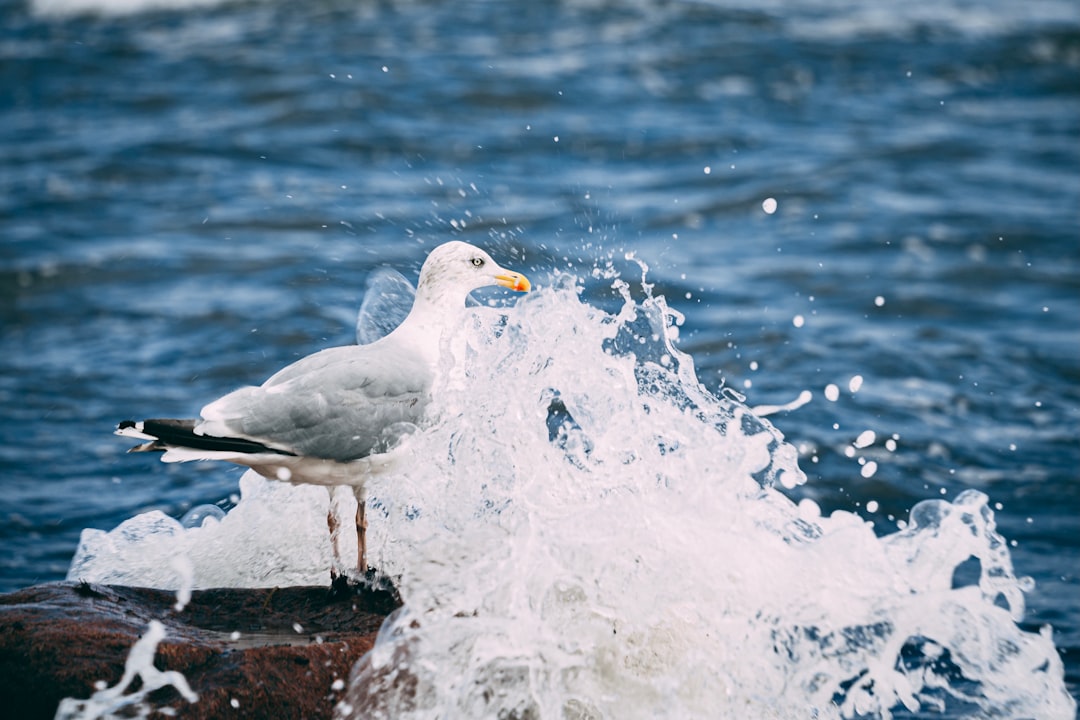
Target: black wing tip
(164,433)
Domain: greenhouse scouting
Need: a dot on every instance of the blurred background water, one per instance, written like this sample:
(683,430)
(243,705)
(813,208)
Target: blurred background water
(192,194)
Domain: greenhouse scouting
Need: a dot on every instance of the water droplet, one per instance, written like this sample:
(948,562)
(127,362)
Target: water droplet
(198,515)
(865,439)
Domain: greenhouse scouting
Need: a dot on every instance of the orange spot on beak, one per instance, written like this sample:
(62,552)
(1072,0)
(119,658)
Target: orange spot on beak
(514,281)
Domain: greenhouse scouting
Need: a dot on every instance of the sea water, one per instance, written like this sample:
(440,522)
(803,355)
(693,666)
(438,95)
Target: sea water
(584,531)
(116,701)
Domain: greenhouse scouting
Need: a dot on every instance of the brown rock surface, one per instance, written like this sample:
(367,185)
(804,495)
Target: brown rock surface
(58,639)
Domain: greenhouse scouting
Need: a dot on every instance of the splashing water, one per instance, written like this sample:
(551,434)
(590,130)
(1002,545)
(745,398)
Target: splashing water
(113,702)
(585,531)
(387,300)
(276,535)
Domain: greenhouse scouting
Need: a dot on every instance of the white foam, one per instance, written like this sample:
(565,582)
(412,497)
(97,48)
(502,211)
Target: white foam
(843,19)
(62,8)
(110,702)
(276,535)
(585,531)
(639,562)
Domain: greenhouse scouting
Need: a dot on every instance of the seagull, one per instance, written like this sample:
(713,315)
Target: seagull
(337,417)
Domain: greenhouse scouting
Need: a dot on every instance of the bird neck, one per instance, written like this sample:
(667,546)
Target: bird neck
(430,316)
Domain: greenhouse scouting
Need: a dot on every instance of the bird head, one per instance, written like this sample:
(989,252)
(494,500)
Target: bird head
(457,268)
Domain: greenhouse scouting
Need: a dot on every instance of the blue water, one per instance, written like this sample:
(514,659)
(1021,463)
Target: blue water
(192,197)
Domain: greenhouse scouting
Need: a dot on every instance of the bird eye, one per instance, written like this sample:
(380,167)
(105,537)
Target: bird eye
(478,262)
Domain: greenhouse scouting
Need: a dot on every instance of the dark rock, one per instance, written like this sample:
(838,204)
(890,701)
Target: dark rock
(57,640)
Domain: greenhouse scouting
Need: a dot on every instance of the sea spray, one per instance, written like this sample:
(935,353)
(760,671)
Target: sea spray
(114,702)
(276,535)
(585,531)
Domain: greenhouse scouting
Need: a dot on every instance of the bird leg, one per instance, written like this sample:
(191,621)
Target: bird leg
(338,567)
(339,505)
(361,533)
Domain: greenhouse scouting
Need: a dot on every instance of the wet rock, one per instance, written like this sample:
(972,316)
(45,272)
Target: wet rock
(248,653)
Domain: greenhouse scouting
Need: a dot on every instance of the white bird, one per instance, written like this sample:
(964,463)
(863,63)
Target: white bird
(335,418)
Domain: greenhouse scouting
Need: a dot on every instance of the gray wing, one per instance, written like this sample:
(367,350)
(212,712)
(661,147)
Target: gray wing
(339,404)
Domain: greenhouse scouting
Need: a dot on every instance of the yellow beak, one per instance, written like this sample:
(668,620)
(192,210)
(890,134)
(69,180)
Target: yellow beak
(514,281)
